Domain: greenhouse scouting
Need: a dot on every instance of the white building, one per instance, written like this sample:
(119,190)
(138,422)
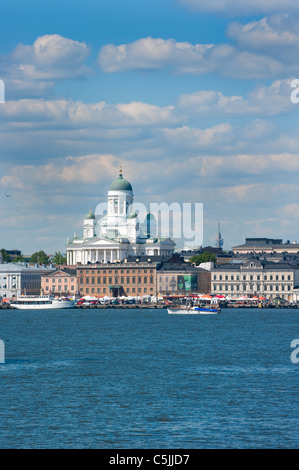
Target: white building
(17,279)
(117,235)
(254,277)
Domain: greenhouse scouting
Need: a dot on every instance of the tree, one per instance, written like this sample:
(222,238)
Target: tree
(204,257)
(39,257)
(58,258)
(6,258)
(19,259)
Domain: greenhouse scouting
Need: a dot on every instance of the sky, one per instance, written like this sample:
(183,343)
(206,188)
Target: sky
(192,98)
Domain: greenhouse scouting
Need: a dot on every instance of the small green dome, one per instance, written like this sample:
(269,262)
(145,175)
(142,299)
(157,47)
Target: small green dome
(90,215)
(120,184)
(132,215)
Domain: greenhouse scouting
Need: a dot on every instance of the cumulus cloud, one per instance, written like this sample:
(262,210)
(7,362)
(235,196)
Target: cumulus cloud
(261,101)
(183,57)
(239,7)
(33,69)
(275,36)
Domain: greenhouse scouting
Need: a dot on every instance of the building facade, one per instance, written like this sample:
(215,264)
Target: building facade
(118,279)
(61,283)
(254,277)
(17,279)
(183,280)
(117,235)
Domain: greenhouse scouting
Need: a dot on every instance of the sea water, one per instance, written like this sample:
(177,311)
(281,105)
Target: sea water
(144,379)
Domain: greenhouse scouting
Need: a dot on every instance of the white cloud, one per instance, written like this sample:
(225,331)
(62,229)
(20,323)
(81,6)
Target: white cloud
(262,101)
(237,7)
(76,113)
(276,36)
(33,69)
(183,57)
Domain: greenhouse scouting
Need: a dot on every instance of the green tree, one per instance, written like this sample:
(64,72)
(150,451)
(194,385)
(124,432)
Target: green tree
(19,259)
(39,257)
(58,258)
(6,258)
(204,257)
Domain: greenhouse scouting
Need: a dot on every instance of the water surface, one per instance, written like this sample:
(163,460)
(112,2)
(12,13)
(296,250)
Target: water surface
(140,379)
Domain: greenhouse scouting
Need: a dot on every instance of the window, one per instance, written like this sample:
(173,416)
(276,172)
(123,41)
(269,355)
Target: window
(128,280)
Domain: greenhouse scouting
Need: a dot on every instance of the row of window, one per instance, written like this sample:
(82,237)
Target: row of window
(104,290)
(251,288)
(250,277)
(115,271)
(53,288)
(60,279)
(92,280)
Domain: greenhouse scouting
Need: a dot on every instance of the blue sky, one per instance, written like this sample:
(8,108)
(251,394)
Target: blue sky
(191,97)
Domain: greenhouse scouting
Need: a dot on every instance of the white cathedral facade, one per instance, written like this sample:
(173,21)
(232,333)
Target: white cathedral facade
(117,235)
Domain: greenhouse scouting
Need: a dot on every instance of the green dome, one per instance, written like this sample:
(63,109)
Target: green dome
(90,215)
(120,184)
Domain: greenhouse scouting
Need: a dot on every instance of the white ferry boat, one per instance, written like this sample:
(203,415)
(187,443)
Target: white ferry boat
(195,310)
(41,302)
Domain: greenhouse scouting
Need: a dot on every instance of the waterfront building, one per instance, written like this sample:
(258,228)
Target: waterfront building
(61,283)
(266,245)
(255,277)
(117,235)
(18,278)
(175,279)
(126,278)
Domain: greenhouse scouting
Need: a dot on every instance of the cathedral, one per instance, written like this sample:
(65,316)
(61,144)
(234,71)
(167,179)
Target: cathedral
(117,235)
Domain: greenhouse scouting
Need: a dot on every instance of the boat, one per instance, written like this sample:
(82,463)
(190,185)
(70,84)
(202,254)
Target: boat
(41,302)
(195,310)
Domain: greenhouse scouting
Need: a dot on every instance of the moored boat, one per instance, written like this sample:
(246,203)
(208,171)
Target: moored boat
(41,302)
(195,310)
